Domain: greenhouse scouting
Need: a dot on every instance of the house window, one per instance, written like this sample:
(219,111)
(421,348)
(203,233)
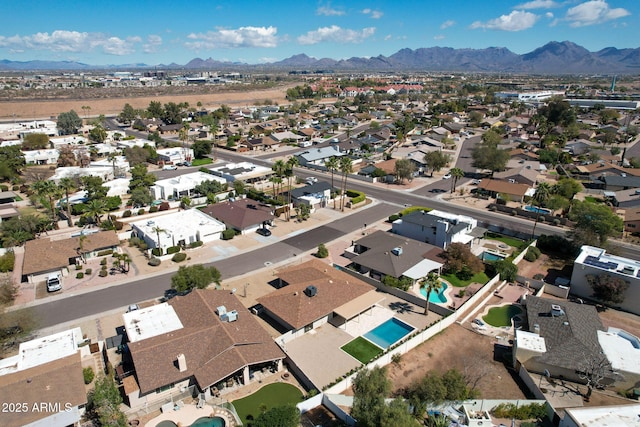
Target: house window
(632,226)
(308,327)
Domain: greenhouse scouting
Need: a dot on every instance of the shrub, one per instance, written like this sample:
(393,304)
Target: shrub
(103,261)
(542,218)
(79,275)
(126,214)
(153,209)
(514,213)
(228,234)
(393,217)
(140,211)
(15,188)
(156,251)
(556,221)
(88,271)
(7,261)
(105,252)
(322,252)
(196,244)
(88,374)
(4,187)
(78,267)
(493,208)
(119,225)
(164,206)
(396,358)
(154,262)
(538,276)
(103,273)
(530,256)
(179,257)
(173,250)
(104,267)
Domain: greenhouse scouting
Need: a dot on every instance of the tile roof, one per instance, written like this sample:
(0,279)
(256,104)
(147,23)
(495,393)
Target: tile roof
(570,338)
(213,349)
(240,214)
(58,382)
(334,289)
(503,187)
(43,255)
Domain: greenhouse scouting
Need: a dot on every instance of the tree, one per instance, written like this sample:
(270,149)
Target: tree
(279,167)
(542,194)
(35,141)
(567,188)
(595,219)
(155,110)
(140,178)
(201,149)
(69,123)
(456,174)
(194,276)
(128,114)
(104,403)
(67,185)
(11,162)
(404,169)
(98,134)
(430,283)
(370,388)
(487,155)
(608,289)
(593,370)
(289,172)
(436,160)
(47,191)
(95,209)
(475,118)
(94,188)
(346,167)
(458,258)
(332,164)
(141,196)
(322,251)
(506,269)
(239,187)
(280,416)
(436,388)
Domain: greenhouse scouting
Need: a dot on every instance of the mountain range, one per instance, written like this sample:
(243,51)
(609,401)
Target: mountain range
(553,58)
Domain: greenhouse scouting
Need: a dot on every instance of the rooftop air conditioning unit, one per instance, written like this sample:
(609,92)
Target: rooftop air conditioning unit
(556,310)
(221,310)
(311,291)
(231,316)
(397,251)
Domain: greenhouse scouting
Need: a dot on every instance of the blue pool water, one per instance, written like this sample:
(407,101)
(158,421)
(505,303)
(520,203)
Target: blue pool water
(436,297)
(390,332)
(490,256)
(200,422)
(537,209)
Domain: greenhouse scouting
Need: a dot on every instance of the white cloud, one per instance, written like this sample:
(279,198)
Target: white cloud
(548,15)
(593,12)
(267,60)
(329,11)
(152,44)
(71,41)
(447,24)
(439,37)
(517,20)
(374,14)
(388,37)
(538,4)
(240,37)
(336,34)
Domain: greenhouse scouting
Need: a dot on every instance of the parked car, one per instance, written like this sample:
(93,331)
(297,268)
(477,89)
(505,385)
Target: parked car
(311,180)
(133,307)
(169,167)
(264,232)
(447,176)
(476,181)
(54,282)
(437,190)
(170,293)
(478,324)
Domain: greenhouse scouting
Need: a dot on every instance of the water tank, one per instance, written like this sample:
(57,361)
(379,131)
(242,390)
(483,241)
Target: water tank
(311,291)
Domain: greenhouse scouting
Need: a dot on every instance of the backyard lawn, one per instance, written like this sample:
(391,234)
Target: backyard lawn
(271,396)
(362,349)
(501,316)
(459,283)
(511,241)
(200,162)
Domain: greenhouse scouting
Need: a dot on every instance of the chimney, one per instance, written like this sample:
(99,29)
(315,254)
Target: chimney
(182,362)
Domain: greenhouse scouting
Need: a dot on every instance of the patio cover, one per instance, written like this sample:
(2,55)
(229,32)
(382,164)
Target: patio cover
(358,305)
(477,232)
(421,269)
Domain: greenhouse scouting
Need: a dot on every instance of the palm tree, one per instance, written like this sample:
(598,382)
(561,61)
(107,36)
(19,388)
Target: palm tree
(456,174)
(542,194)
(95,209)
(158,230)
(431,283)
(280,168)
(346,167)
(50,191)
(291,163)
(67,185)
(332,164)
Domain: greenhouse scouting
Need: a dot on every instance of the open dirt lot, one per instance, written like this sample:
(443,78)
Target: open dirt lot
(44,109)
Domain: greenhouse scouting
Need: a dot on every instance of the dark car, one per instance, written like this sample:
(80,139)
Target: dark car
(263,231)
(437,190)
(170,293)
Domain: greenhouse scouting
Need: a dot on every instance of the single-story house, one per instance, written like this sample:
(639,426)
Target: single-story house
(182,185)
(632,220)
(523,175)
(203,339)
(174,155)
(620,182)
(243,215)
(243,171)
(46,256)
(515,191)
(317,156)
(41,157)
(626,199)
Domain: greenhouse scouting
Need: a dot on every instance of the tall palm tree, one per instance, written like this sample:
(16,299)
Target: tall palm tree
(95,209)
(49,191)
(158,230)
(456,174)
(346,167)
(280,168)
(332,164)
(542,194)
(430,283)
(291,163)
(67,185)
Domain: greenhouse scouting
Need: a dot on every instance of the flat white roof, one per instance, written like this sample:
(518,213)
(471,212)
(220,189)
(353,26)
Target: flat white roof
(150,322)
(451,217)
(598,258)
(188,181)
(421,269)
(43,350)
(530,341)
(606,416)
(180,225)
(619,350)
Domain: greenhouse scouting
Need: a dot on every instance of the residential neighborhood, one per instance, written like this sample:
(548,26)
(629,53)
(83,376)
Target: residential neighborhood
(181,259)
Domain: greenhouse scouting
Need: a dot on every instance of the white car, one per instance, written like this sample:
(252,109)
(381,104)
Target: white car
(169,167)
(447,176)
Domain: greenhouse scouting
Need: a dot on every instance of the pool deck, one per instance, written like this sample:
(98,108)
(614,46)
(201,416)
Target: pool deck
(187,414)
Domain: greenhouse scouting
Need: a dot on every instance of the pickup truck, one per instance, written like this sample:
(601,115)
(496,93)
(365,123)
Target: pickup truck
(54,282)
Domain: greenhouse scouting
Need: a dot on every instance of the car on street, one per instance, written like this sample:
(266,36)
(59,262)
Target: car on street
(311,180)
(169,167)
(447,176)
(437,190)
(264,232)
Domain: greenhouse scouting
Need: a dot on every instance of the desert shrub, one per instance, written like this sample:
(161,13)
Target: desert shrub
(4,187)
(556,221)
(514,213)
(228,234)
(119,225)
(156,251)
(15,188)
(88,271)
(103,273)
(7,261)
(538,276)
(153,209)
(196,244)
(88,374)
(492,208)
(126,214)
(78,267)
(179,257)
(523,412)
(393,217)
(103,261)
(173,250)
(154,262)
(542,218)
(79,275)
(532,254)
(140,211)
(322,252)
(105,252)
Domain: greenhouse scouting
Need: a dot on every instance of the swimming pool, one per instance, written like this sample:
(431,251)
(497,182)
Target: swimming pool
(388,333)
(490,256)
(200,422)
(537,209)
(436,297)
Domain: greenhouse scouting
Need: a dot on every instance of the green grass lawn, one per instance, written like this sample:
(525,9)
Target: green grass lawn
(511,241)
(200,162)
(271,395)
(459,283)
(592,199)
(501,316)
(362,349)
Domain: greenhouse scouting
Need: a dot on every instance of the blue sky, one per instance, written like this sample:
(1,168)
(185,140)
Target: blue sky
(162,32)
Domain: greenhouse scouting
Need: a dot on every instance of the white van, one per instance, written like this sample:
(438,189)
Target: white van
(54,282)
